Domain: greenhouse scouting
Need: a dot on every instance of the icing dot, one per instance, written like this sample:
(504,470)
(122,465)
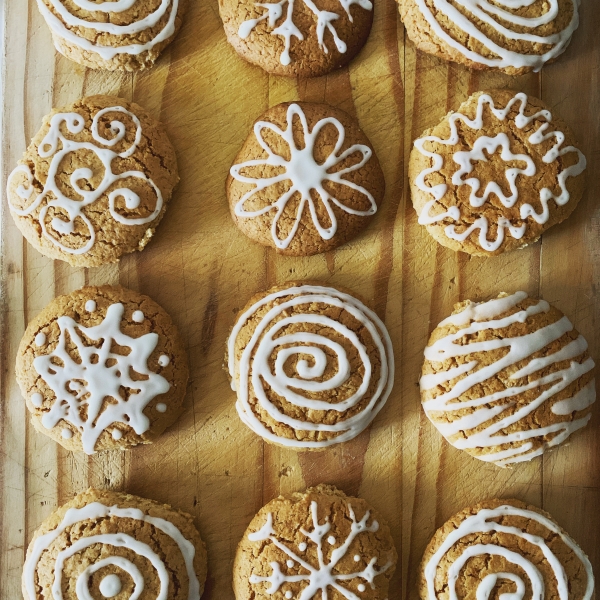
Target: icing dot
(110,586)
(290,563)
(163,360)
(161,407)
(66,433)
(356,558)
(90,305)
(40,339)
(288,594)
(361,587)
(117,434)
(331,540)
(302,547)
(37,399)
(138,316)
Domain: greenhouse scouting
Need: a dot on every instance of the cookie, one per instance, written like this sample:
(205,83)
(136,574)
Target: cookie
(313,545)
(102,368)
(516,38)
(125,35)
(507,379)
(305,181)
(504,549)
(312,366)
(105,544)
(496,174)
(94,183)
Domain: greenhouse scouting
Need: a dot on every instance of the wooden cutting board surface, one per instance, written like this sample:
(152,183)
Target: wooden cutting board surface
(201,270)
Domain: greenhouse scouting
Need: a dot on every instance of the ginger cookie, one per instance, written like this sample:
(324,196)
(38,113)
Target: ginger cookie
(305,181)
(504,549)
(313,545)
(102,368)
(507,379)
(516,38)
(297,38)
(312,365)
(105,544)
(94,183)
(496,174)
(125,35)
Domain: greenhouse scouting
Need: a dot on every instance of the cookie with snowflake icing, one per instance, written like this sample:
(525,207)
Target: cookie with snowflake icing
(102,368)
(495,174)
(313,545)
(305,181)
(94,183)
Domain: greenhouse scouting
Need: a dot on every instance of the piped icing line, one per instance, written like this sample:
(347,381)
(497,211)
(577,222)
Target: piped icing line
(94,511)
(305,175)
(252,368)
(483,523)
(487,316)
(464,160)
(57,146)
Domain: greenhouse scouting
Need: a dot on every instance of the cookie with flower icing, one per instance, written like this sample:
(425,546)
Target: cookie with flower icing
(313,545)
(102,368)
(305,181)
(495,174)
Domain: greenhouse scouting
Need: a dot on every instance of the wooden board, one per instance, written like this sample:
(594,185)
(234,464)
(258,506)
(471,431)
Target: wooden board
(201,270)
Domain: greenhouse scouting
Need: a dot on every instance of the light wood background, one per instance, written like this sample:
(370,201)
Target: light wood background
(201,270)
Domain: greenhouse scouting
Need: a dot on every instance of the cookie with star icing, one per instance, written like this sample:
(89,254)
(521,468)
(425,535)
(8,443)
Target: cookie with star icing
(495,174)
(102,368)
(313,545)
(305,181)
(94,183)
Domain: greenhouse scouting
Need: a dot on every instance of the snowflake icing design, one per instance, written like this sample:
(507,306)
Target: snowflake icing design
(322,577)
(305,174)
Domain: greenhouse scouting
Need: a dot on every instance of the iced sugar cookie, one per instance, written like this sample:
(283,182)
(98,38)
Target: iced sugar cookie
(102,368)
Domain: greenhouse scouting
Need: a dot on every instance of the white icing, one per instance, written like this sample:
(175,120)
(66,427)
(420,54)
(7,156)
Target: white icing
(57,146)
(290,563)
(321,577)
(252,371)
(520,348)
(66,433)
(302,546)
(288,594)
(90,306)
(331,540)
(117,434)
(161,407)
(40,339)
(110,586)
(361,587)
(99,374)
(304,174)
(37,399)
(464,160)
(356,558)
(163,360)
(138,316)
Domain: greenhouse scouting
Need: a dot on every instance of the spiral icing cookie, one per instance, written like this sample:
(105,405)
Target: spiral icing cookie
(504,549)
(297,38)
(496,174)
(515,37)
(101,368)
(105,544)
(507,379)
(312,366)
(305,181)
(118,35)
(314,545)
(94,182)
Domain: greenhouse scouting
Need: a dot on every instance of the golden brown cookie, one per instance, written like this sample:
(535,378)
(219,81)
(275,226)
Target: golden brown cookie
(94,183)
(313,545)
(513,37)
(102,368)
(496,174)
(297,38)
(305,181)
(504,549)
(507,379)
(105,544)
(312,365)
(125,35)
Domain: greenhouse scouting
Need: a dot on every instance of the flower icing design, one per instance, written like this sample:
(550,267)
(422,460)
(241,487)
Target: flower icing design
(319,579)
(304,174)
(57,147)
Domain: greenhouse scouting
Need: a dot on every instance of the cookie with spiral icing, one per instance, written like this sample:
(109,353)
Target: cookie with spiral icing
(105,544)
(504,549)
(507,379)
(312,366)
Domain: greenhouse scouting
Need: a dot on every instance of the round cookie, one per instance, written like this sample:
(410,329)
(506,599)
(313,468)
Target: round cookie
(94,183)
(305,181)
(105,544)
(496,174)
(512,37)
(313,545)
(102,368)
(125,35)
(297,38)
(507,379)
(504,549)
(312,365)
